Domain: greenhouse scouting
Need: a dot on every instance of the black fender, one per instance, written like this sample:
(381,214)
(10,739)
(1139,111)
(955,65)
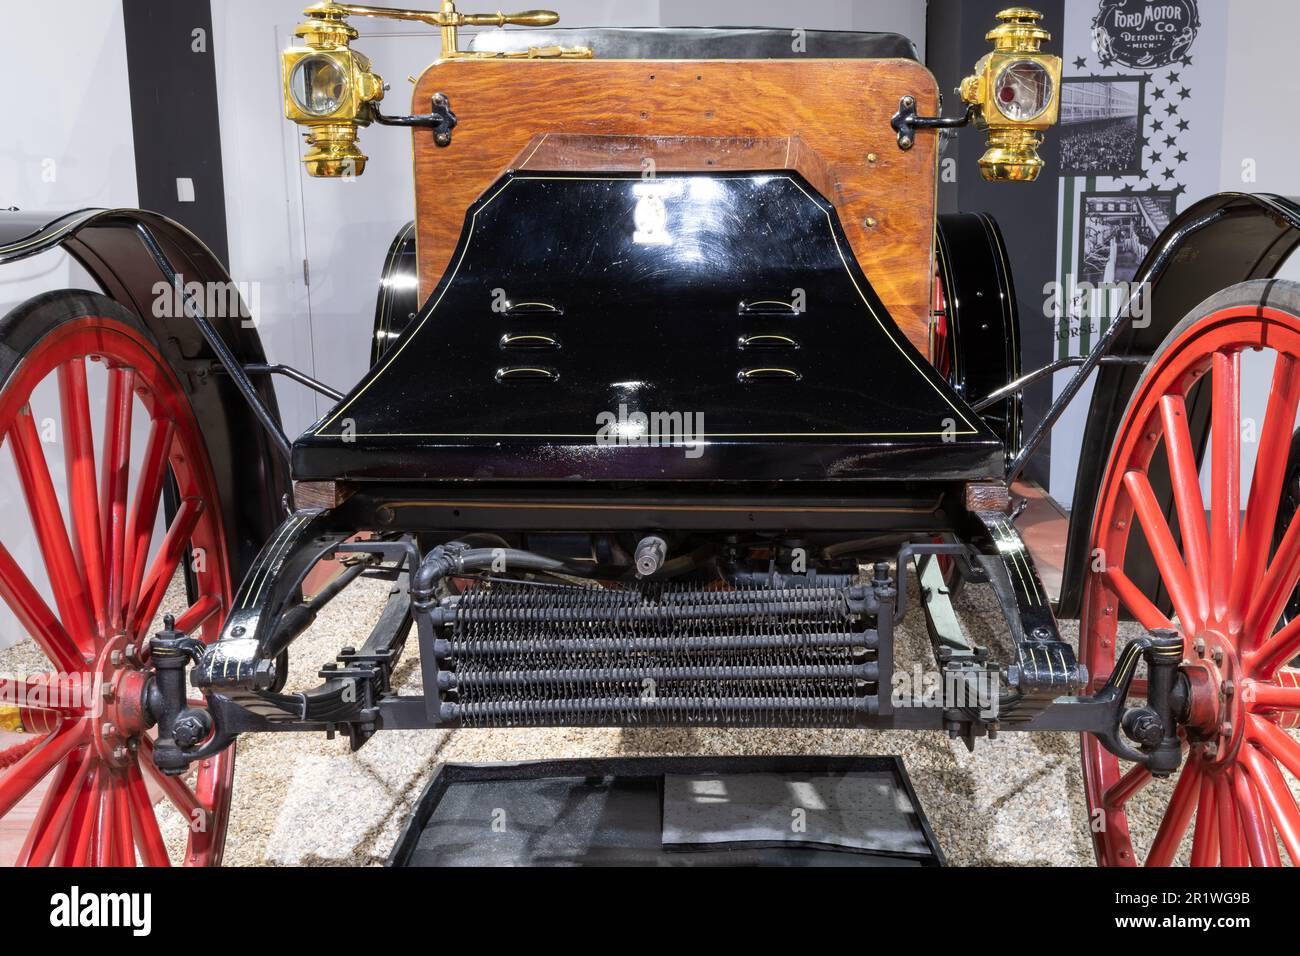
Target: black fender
(983,319)
(252,478)
(399,293)
(1217,242)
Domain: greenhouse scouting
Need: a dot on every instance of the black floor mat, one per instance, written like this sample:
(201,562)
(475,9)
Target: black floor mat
(670,811)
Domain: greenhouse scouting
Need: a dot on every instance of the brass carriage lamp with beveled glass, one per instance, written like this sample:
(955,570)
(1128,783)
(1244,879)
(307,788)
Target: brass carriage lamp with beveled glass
(1016,90)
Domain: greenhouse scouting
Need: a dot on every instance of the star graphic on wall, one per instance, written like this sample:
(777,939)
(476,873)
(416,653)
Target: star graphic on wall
(1170,140)
(1180,156)
(1183,124)
(1184,93)
(1180,190)
(1080,63)
(1157,93)
(1174,77)
(1185,59)
(1170,174)
(1172,109)
(1157,125)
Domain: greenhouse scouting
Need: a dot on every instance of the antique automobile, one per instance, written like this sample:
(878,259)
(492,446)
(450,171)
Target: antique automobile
(677,378)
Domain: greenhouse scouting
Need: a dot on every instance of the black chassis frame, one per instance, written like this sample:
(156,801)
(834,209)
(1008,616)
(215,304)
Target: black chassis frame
(239,673)
(357,697)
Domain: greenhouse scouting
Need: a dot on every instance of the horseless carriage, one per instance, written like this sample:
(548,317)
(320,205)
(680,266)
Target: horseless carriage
(675,377)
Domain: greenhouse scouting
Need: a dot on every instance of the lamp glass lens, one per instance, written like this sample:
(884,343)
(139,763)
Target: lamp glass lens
(318,85)
(1023,90)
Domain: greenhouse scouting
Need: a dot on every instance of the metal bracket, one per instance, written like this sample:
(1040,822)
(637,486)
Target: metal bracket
(905,122)
(270,421)
(946,635)
(1029,378)
(288,371)
(440,119)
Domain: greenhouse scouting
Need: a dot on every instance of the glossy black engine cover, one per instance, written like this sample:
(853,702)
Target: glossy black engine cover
(644,285)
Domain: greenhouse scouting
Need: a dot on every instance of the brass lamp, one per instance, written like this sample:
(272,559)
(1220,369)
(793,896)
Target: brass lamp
(1016,90)
(329,88)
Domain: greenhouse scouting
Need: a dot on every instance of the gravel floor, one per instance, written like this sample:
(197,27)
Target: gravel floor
(302,799)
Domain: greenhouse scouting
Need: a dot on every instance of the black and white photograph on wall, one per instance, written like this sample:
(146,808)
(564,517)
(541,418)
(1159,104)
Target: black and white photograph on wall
(1101,126)
(1116,230)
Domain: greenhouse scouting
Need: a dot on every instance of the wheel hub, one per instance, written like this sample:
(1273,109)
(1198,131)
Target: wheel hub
(1216,718)
(120,713)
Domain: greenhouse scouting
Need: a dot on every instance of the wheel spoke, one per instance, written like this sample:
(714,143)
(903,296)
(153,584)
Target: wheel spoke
(197,614)
(1272,787)
(173,548)
(144,511)
(1232,848)
(85,822)
(1275,590)
(1177,815)
(36,617)
(1273,653)
(1186,482)
(1205,838)
(1272,697)
(1260,842)
(51,838)
(1161,540)
(42,503)
(1138,604)
(1225,476)
(1123,789)
(1280,745)
(105,845)
(83,492)
(123,831)
(18,780)
(1265,486)
(113,487)
(46,819)
(153,849)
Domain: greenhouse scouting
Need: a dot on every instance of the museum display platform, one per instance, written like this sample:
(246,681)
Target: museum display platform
(670,811)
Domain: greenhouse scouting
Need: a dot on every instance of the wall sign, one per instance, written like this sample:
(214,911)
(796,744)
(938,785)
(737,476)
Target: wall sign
(1145,35)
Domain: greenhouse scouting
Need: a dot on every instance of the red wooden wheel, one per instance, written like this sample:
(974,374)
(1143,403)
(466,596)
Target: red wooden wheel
(86,730)
(1226,592)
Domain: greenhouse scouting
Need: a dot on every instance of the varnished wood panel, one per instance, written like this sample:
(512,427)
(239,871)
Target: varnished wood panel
(581,152)
(838,109)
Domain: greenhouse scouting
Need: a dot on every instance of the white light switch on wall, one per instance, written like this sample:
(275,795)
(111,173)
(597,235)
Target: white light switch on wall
(184,189)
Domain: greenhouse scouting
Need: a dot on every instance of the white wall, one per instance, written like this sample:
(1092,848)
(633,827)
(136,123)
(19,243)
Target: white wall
(64,148)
